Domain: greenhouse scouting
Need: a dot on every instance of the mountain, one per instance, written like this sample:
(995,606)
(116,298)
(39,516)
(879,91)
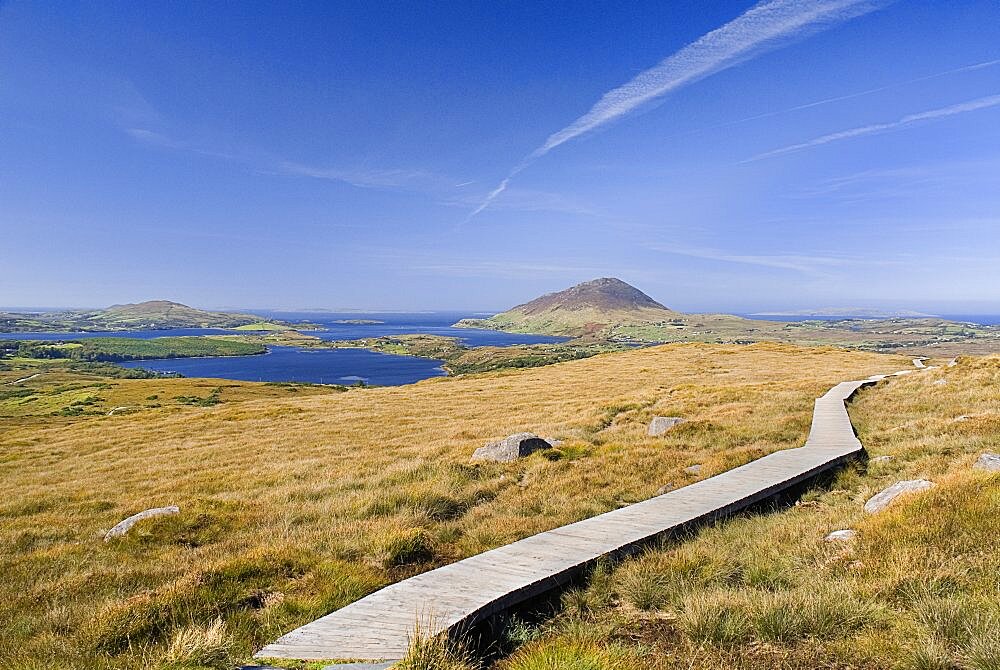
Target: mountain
(589,308)
(150,315)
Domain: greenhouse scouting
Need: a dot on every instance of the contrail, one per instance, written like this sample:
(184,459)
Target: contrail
(960,108)
(846,96)
(762,27)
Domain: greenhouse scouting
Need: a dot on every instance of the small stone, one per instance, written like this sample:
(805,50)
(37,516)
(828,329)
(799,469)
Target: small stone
(666,488)
(841,535)
(988,461)
(881,459)
(124,525)
(953,362)
(511,448)
(940,382)
(883,499)
(661,424)
(693,469)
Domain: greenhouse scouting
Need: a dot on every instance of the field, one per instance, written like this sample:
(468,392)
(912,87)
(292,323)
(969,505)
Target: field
(293,506)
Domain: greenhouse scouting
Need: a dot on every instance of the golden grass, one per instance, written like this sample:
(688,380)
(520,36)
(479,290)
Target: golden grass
(918,588)
(292,507)
(42,400)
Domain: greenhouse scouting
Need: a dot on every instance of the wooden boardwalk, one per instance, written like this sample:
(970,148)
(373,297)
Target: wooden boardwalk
(379,626)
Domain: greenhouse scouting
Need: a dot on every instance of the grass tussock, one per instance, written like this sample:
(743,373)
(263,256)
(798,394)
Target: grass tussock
(199,646)
(435,652)
(573,655)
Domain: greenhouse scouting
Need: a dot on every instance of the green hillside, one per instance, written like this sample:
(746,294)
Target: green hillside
(149,315)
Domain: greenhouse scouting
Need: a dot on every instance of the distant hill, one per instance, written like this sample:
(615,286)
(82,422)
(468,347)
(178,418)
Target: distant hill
(585,309)
(167,314)
(149,315)
(609,310)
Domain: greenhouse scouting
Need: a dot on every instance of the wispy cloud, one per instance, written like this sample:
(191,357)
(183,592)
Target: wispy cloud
(807,264)
(849,96)
(529,200)
(396,179)
(909,119)
(507,269)
(765,26)
(418,180)
(940,178)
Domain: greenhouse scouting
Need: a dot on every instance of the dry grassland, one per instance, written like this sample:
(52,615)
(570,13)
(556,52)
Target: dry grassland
(292,507)
(919,588)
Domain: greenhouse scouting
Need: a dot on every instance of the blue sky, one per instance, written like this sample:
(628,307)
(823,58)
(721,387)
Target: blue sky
(812,153)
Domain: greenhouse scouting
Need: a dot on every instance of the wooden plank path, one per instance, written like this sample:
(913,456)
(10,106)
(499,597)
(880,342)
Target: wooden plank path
(379,626)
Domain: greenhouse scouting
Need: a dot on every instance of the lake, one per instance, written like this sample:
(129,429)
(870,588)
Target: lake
(319,366)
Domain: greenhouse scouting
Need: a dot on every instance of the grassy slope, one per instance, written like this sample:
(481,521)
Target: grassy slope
(151,314)
(918,589)
(292,507)
(575,322)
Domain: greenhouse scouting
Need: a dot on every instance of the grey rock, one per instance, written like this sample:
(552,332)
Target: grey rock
(661,424)
(666,488)
(841,535)
(881,459)
(953,362)
(940,382)
(125,525)
(511,448)
(883,499)
(988,461)
(693,469)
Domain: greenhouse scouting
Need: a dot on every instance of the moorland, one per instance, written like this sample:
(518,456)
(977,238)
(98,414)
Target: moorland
(294,505)
(297,499)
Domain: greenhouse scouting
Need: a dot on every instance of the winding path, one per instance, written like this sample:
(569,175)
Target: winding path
(378,627)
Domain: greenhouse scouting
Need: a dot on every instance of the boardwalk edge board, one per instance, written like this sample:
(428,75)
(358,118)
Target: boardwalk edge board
(378,628)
